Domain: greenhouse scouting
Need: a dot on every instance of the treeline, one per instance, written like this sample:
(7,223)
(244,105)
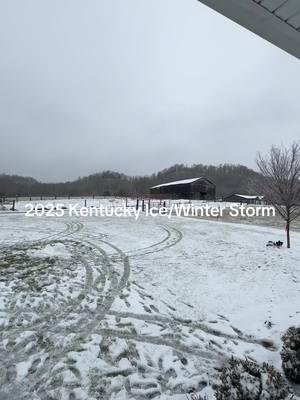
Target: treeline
(228,178)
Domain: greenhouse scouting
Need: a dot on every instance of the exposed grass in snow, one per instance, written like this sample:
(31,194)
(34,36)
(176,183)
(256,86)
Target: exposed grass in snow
(113,308)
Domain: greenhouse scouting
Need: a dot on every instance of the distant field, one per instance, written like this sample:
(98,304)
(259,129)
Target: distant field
(276,222)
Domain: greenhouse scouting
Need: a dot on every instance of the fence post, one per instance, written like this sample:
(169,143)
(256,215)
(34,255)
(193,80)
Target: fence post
(143,205)
(137,204)
(84,203)
(13,206)
(126,204)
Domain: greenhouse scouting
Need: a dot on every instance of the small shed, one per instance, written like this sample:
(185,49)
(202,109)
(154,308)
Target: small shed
(194,188)
(245,198)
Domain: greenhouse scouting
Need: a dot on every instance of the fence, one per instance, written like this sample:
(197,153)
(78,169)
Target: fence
(7,202)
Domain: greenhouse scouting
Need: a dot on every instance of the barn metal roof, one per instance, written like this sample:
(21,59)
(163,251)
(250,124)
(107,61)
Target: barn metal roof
(277,21)
(182,182)
(246,196)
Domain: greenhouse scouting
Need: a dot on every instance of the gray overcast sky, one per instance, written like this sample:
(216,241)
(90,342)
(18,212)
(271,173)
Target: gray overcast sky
(136,86)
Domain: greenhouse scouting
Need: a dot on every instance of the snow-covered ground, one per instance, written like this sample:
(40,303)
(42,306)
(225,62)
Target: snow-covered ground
(118,308)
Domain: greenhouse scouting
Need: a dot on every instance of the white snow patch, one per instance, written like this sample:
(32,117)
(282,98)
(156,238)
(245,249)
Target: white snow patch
(51,250)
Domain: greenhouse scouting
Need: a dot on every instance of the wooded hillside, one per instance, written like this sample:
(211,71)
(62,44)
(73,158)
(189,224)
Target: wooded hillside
(228,178)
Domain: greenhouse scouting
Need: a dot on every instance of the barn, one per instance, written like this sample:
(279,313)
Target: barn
(245,198)
(195,188)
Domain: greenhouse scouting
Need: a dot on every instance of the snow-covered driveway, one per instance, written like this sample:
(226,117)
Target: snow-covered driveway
(114,308)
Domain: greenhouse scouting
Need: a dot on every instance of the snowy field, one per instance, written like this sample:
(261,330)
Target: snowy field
(114,308)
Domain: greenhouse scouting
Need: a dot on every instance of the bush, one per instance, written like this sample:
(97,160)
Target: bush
(290,354)
(246,380)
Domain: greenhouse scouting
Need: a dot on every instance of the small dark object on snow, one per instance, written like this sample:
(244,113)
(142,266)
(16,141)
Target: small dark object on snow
(290,354)
(274,244)
(269,324)
(184,361)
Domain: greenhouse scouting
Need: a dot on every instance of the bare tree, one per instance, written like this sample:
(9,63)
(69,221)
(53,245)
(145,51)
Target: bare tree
(281,181)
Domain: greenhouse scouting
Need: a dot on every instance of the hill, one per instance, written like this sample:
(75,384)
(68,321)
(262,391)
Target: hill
(228,178)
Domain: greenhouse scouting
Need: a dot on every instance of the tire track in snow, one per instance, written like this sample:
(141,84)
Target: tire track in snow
(84,327)
(160,341)
(195,325)
(173,237)
(13,356)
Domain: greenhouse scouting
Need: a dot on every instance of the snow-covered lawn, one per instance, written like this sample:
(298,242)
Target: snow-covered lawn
(114,308)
